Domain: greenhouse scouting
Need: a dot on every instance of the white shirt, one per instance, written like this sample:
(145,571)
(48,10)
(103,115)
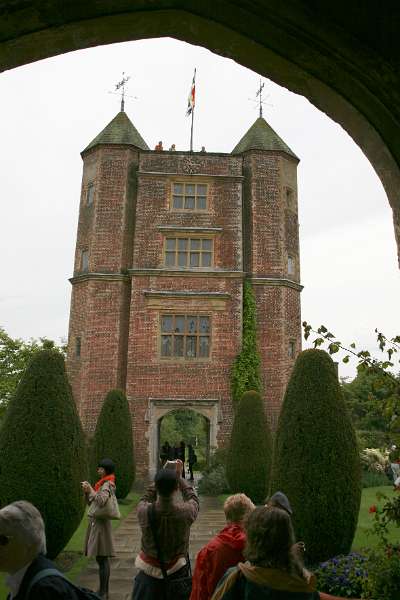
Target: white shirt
(14,580)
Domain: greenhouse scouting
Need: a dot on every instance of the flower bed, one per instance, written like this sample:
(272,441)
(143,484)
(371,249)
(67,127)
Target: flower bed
(342,576)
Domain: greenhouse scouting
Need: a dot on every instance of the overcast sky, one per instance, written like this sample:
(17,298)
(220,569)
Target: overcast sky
(52,109)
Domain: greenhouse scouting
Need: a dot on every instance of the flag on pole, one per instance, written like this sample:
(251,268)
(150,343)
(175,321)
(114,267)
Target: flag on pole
(191,97)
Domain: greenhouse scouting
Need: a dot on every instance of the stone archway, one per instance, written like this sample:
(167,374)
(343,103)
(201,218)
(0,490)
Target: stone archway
(343,59)
(158,408)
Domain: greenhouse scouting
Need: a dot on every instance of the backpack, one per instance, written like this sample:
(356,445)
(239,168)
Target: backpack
(82,593)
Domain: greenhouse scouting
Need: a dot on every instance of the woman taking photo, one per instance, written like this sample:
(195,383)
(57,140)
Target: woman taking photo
(99,538)
(274,569)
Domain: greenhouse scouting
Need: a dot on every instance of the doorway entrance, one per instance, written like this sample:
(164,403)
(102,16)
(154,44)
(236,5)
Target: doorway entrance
(195,422)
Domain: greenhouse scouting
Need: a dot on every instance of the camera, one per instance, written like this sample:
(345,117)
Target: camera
(171,464)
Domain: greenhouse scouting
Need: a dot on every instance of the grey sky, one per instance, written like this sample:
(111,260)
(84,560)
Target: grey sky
(52,109)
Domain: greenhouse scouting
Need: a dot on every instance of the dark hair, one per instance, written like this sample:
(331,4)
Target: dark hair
(270,538)
(166,482)
(107,464)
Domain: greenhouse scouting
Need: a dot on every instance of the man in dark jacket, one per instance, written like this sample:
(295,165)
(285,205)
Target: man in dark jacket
(22,549)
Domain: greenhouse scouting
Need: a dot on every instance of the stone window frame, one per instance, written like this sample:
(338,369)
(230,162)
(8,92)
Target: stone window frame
(185,182)
(90,193)
(78,346)
(183,359)
(188,251)
(290,198)
(84,260)
(292,348)
(291,265)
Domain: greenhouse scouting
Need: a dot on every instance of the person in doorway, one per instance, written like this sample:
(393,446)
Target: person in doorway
(192,460)
(223,551)
(160,511)
(22,556)
(274,568)
(182,456)
(99,540)
(165,453)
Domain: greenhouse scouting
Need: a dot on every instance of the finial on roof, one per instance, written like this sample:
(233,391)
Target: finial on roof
(259,94)
(121,86)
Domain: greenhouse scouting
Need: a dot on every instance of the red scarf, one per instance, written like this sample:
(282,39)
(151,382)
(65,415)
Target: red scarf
(100,482)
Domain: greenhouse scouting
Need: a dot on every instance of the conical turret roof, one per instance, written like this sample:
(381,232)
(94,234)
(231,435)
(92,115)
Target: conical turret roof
(261,136)
(120,130)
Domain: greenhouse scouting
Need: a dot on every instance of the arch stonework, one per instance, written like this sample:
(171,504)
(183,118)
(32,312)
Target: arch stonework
(159,407)
(342,58)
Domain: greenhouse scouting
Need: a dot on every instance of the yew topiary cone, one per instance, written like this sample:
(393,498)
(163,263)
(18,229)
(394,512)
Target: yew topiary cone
(42,449)
(113,439)
(316,462)
(250,451)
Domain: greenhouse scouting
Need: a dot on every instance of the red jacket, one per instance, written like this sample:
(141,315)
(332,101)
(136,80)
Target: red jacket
(225,550)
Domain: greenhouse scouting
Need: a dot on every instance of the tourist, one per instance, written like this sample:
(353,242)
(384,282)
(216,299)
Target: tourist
(22,550)
(166,453)
(99,541)
(274,568)
(394,457)
(280,500)
(223,551)
(192,460)
(182,456)
(161,513)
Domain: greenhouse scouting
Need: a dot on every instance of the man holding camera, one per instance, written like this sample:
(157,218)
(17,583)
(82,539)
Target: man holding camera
(165,522)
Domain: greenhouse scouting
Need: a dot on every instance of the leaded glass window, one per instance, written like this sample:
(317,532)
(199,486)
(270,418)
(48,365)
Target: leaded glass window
(188,252)
(185,337)
(189,196)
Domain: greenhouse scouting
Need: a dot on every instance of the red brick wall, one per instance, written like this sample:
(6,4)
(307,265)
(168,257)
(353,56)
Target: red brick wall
(119,321)
(272,235)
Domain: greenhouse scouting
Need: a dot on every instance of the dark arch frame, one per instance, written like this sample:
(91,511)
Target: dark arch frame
(343,59)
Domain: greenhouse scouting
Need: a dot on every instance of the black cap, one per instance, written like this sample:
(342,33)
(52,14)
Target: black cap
(281,500)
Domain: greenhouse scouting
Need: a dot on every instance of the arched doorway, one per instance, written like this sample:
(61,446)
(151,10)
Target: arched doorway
(208,417)
(188,426)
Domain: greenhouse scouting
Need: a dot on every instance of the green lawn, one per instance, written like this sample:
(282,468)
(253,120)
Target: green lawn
(75,544)
(365,520)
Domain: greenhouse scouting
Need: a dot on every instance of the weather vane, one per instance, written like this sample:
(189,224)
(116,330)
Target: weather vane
(259,99)
(120,90)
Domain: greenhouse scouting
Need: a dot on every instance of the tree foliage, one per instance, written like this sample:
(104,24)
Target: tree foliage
(14,357)
(113,439)
(245,375)
(316,461)
(379,369)
(42,448)
(250,451)
(371,399)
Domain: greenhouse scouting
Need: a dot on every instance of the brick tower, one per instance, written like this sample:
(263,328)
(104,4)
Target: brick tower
(165,239)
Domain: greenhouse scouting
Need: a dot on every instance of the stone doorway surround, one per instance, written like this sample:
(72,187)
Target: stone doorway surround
(159,407)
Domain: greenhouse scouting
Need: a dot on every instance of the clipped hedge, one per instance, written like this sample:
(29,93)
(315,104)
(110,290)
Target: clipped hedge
(113,439)
(42,449)
(245,374)
(250,452)
(316,460)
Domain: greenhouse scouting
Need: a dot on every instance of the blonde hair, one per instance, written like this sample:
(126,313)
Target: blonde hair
(237,507)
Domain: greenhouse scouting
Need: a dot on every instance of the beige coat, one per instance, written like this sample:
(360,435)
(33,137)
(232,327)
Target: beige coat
(99,537)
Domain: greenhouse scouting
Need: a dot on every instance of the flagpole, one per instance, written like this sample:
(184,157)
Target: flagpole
(191,132)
